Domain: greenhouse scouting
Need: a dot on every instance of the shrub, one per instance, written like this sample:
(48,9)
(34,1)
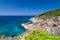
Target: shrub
(41,35)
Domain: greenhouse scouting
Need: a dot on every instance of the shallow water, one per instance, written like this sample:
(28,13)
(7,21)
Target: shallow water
(10,26)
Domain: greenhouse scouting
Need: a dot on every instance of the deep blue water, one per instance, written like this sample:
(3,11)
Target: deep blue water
(10,26)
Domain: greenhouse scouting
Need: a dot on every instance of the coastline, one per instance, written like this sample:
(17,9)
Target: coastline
(38,24)
(19,37)
(48,24)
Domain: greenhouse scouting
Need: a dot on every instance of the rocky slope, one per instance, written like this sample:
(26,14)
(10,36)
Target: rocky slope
(48,22)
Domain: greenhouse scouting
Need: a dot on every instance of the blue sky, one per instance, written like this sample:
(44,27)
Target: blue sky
(27,7)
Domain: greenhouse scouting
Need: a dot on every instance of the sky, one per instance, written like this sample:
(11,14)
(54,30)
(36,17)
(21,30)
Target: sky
(27,7)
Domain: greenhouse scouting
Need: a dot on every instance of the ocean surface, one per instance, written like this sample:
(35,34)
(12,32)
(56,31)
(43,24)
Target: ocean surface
(10,26)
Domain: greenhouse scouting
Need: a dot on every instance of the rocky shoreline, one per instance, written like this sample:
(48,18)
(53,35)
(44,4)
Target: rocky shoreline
(50,25)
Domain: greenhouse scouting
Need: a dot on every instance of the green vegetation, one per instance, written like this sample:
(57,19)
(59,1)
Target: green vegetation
(50,13)
(41,35)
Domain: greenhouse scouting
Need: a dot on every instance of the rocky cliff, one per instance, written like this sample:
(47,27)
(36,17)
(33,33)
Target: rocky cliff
(48,22)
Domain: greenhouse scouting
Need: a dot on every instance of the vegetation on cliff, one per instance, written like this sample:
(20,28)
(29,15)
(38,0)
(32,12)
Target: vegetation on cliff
(41,35)
(53,13)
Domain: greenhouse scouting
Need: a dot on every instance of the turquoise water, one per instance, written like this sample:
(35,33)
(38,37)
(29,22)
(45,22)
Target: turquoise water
(10,26)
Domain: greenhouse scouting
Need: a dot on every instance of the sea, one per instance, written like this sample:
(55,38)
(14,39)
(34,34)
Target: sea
(10,26)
